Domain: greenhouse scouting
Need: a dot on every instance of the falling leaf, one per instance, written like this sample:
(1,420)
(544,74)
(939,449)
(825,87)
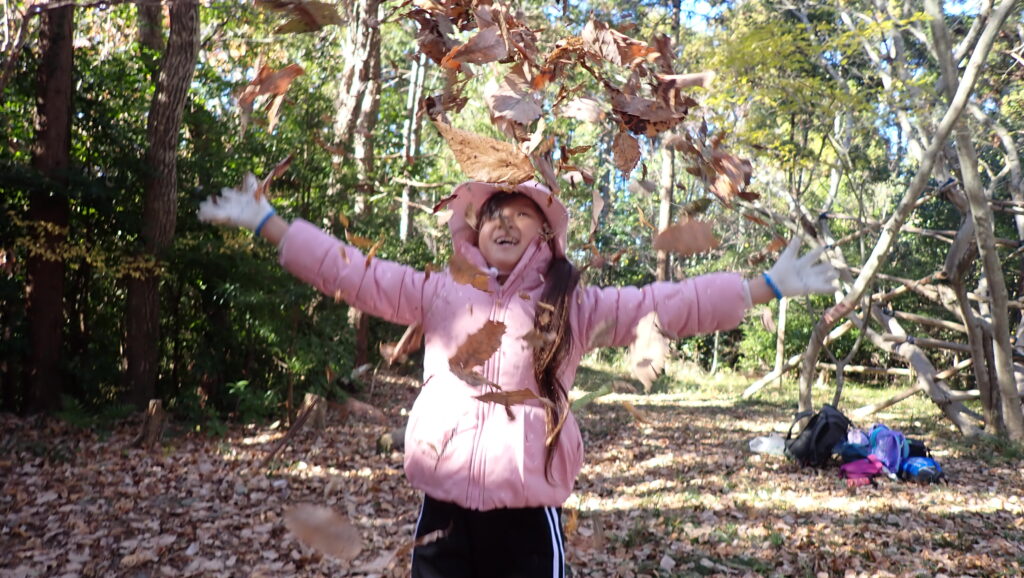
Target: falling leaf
(687,238)
(648,351)
(584,109)
(306,16)
(411,341)
(475,351)
(596,207)
(602,334)
(768,320)
(512,100)
(487,45)
(267,82)
(643,219)
(511,397)
(695,207)
(324,530)
(613,45)
(466,273)
(357,241)
(625,152)
(485,159)
(637,415)
(263,190)
(537,340)
(432,41)
(372,252)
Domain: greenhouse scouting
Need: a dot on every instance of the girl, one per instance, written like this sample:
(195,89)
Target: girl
(494,477)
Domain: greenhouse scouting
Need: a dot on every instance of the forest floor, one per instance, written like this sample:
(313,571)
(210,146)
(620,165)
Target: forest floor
(669,489)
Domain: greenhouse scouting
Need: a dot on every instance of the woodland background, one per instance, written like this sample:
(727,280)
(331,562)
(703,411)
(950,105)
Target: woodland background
(888,131)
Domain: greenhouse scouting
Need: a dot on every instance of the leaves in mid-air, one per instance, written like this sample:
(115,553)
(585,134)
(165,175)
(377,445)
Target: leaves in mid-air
(485,159)
(688,237)
(324,530)
(268,82)
(475,351)
(304,15)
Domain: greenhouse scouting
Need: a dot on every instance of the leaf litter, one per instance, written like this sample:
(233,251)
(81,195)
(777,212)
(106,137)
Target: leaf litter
(674,495)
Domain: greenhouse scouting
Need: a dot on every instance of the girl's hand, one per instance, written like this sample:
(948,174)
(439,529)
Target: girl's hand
(240,208)
(793,276)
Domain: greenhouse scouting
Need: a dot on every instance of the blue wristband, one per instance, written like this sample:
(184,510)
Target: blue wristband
(772,286)
(263,221)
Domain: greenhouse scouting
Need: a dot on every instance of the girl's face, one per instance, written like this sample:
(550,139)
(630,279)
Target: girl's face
(507,233)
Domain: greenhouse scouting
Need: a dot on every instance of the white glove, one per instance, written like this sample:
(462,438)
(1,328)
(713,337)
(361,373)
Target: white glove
(792,276)
(238,207)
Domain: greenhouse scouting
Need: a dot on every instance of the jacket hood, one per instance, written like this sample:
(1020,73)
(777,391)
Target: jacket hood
(469,197)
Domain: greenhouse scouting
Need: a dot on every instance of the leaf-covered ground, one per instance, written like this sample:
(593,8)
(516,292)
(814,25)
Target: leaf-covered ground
(669,489)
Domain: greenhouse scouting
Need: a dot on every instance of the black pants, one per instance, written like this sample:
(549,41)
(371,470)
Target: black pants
(505,543)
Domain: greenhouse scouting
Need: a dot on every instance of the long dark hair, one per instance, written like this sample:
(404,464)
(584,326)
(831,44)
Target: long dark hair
(552,321)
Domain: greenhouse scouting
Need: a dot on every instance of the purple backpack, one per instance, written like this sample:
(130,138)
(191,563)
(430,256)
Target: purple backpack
(860,472)
(889,446)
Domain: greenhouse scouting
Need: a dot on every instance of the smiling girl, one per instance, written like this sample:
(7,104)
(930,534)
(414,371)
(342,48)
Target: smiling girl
(494,478)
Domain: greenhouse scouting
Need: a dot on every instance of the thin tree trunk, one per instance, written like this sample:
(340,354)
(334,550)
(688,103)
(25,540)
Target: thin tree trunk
(48,208)
(665,199)
(160,197)
(358,106)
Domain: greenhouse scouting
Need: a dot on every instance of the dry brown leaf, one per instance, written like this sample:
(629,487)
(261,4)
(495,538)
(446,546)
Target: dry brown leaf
(648,351)
(466,273)
(485,159)
(267,82)
(325,531)
(511,397)
(475,351)
(625,152)
(602,335)
(596,207)
(372,252)
(306,16)
(431,39)
(487,45)
(584,109)
(637,414)
(643,219)
(357,241)
(263,190)
(613,45)
(410,342)
(537,340)
(687,238)
(512,100)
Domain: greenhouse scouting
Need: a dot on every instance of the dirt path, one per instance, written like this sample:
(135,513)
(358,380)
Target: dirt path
(669,489)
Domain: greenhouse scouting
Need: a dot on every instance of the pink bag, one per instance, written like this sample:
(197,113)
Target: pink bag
(860,472)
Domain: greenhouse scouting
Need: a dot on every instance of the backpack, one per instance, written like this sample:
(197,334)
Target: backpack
(860,472)
(813,446)
(890,446)
(921,470)
(856,447)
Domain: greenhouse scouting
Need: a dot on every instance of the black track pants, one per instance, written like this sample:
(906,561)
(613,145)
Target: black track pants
(505,543)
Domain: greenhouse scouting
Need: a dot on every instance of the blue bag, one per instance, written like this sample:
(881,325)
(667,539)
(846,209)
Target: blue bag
(921,470)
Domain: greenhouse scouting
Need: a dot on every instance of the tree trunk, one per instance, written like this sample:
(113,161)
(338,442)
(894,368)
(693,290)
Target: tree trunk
(665,199)
(981,214)
(160,197)
(48,209)
(358,105)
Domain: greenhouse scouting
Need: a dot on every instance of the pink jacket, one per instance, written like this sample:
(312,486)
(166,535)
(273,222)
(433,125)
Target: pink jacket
(462,450)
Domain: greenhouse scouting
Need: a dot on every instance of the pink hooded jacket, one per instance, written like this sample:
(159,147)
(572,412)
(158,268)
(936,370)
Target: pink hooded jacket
(472,453)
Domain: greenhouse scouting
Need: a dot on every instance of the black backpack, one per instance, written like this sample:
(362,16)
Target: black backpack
(814,444)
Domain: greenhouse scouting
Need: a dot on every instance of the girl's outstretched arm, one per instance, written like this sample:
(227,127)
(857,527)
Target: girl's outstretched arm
(382,288)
